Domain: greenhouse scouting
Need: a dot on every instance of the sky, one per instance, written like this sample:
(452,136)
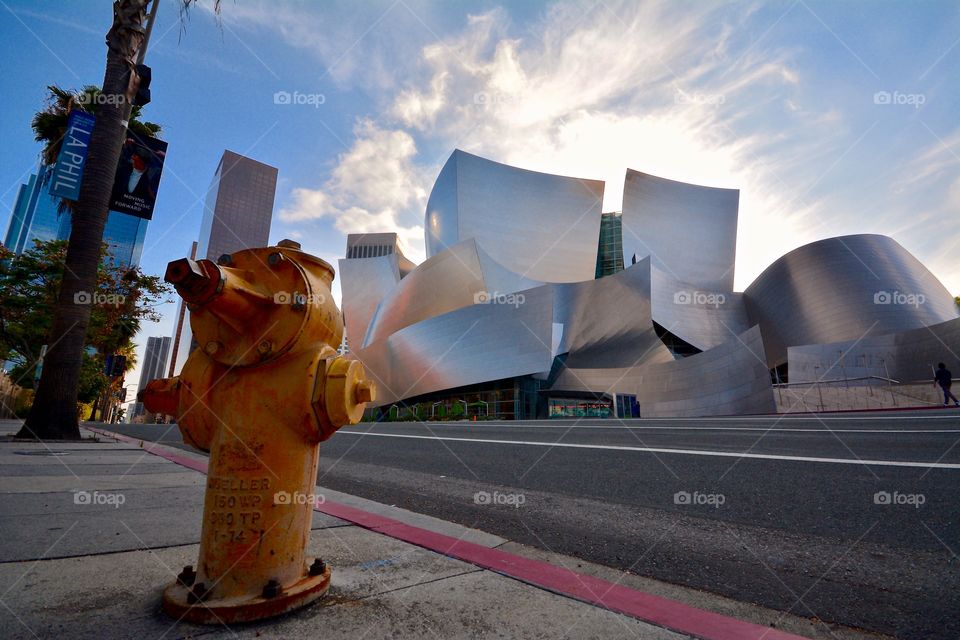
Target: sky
(831,118)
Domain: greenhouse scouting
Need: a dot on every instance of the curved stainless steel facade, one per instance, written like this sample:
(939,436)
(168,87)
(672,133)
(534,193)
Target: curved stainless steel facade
(705,319)
(593,335)
(469,345)
(541,226)
(731,379)
(368,280)
(844,288)
(461,276)
(507,297)
(907,356)
(690,230)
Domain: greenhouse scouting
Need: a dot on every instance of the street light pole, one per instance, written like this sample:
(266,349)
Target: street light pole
(149,29)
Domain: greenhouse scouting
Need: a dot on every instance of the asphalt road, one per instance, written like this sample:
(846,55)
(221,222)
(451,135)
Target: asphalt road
(852,519)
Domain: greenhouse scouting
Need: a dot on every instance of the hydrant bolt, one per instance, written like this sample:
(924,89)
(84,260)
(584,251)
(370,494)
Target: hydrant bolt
(199,593)
(272,589)
(187,576)
(318,567)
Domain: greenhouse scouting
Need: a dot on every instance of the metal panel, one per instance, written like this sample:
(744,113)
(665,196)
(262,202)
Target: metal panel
(703,318)
(470,345)
(606,322)
(906,356)
(730,379)
(457,277)
(541,226)
(364,283)
(690,230)
(844,289)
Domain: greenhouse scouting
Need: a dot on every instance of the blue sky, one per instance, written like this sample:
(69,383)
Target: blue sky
(831,118)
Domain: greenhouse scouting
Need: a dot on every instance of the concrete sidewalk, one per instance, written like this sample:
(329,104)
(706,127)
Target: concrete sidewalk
(91,532)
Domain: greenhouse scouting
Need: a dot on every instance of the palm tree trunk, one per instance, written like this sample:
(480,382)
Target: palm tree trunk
(54,411)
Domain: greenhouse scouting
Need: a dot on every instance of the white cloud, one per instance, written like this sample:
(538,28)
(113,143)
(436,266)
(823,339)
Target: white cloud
(592,94)
(674,90)
(372,184)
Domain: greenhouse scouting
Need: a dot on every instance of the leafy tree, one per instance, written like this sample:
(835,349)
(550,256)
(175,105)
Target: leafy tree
(29,283)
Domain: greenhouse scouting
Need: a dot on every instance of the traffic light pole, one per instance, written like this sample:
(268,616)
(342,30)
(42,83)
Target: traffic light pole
(151,18)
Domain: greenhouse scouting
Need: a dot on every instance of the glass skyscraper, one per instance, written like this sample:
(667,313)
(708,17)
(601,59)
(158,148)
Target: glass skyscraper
(124,235)
(34,214)
(154,366)
(610,247)
(35,217)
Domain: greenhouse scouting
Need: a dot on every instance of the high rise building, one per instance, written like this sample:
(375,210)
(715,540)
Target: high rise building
(124,235)
(239,206)
(237,213)
(35,217)
(34,214)
(610,247)
(154,366)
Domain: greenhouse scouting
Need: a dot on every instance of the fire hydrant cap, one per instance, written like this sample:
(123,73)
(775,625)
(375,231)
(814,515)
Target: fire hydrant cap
(347,391)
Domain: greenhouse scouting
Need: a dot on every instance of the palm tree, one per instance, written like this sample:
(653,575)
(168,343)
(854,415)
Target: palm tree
(54,411)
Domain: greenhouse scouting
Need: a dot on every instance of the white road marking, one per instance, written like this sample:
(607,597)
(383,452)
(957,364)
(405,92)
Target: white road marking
(819,417)
(825,430)
(689,452)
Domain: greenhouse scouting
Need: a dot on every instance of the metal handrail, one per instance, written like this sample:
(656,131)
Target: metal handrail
(787,384)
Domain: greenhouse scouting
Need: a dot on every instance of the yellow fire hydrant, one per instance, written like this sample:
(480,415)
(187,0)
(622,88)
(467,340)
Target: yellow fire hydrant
(261,391)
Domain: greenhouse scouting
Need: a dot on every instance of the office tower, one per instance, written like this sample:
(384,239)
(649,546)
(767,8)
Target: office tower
(35,217)
(124,235)
(238,208)
(34,214)
(154,365)
(237,213)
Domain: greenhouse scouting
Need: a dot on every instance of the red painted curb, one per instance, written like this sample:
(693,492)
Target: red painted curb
(601,593)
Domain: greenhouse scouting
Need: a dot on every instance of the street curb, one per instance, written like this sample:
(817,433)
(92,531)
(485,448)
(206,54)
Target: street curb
(656,610)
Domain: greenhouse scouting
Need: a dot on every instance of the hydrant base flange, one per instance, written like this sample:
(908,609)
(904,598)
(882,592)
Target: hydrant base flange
(176,602)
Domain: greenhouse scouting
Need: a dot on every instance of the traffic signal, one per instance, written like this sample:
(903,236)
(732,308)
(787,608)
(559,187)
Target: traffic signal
(117,365)
(142,96)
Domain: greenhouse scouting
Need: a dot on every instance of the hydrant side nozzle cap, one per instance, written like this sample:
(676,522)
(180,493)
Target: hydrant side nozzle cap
(182,270)
(195,280)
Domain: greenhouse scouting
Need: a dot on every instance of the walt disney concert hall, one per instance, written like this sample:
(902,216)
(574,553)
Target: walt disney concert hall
(535,303)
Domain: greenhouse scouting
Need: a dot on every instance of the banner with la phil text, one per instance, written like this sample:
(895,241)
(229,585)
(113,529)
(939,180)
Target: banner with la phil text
(138,175)
(68,172)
